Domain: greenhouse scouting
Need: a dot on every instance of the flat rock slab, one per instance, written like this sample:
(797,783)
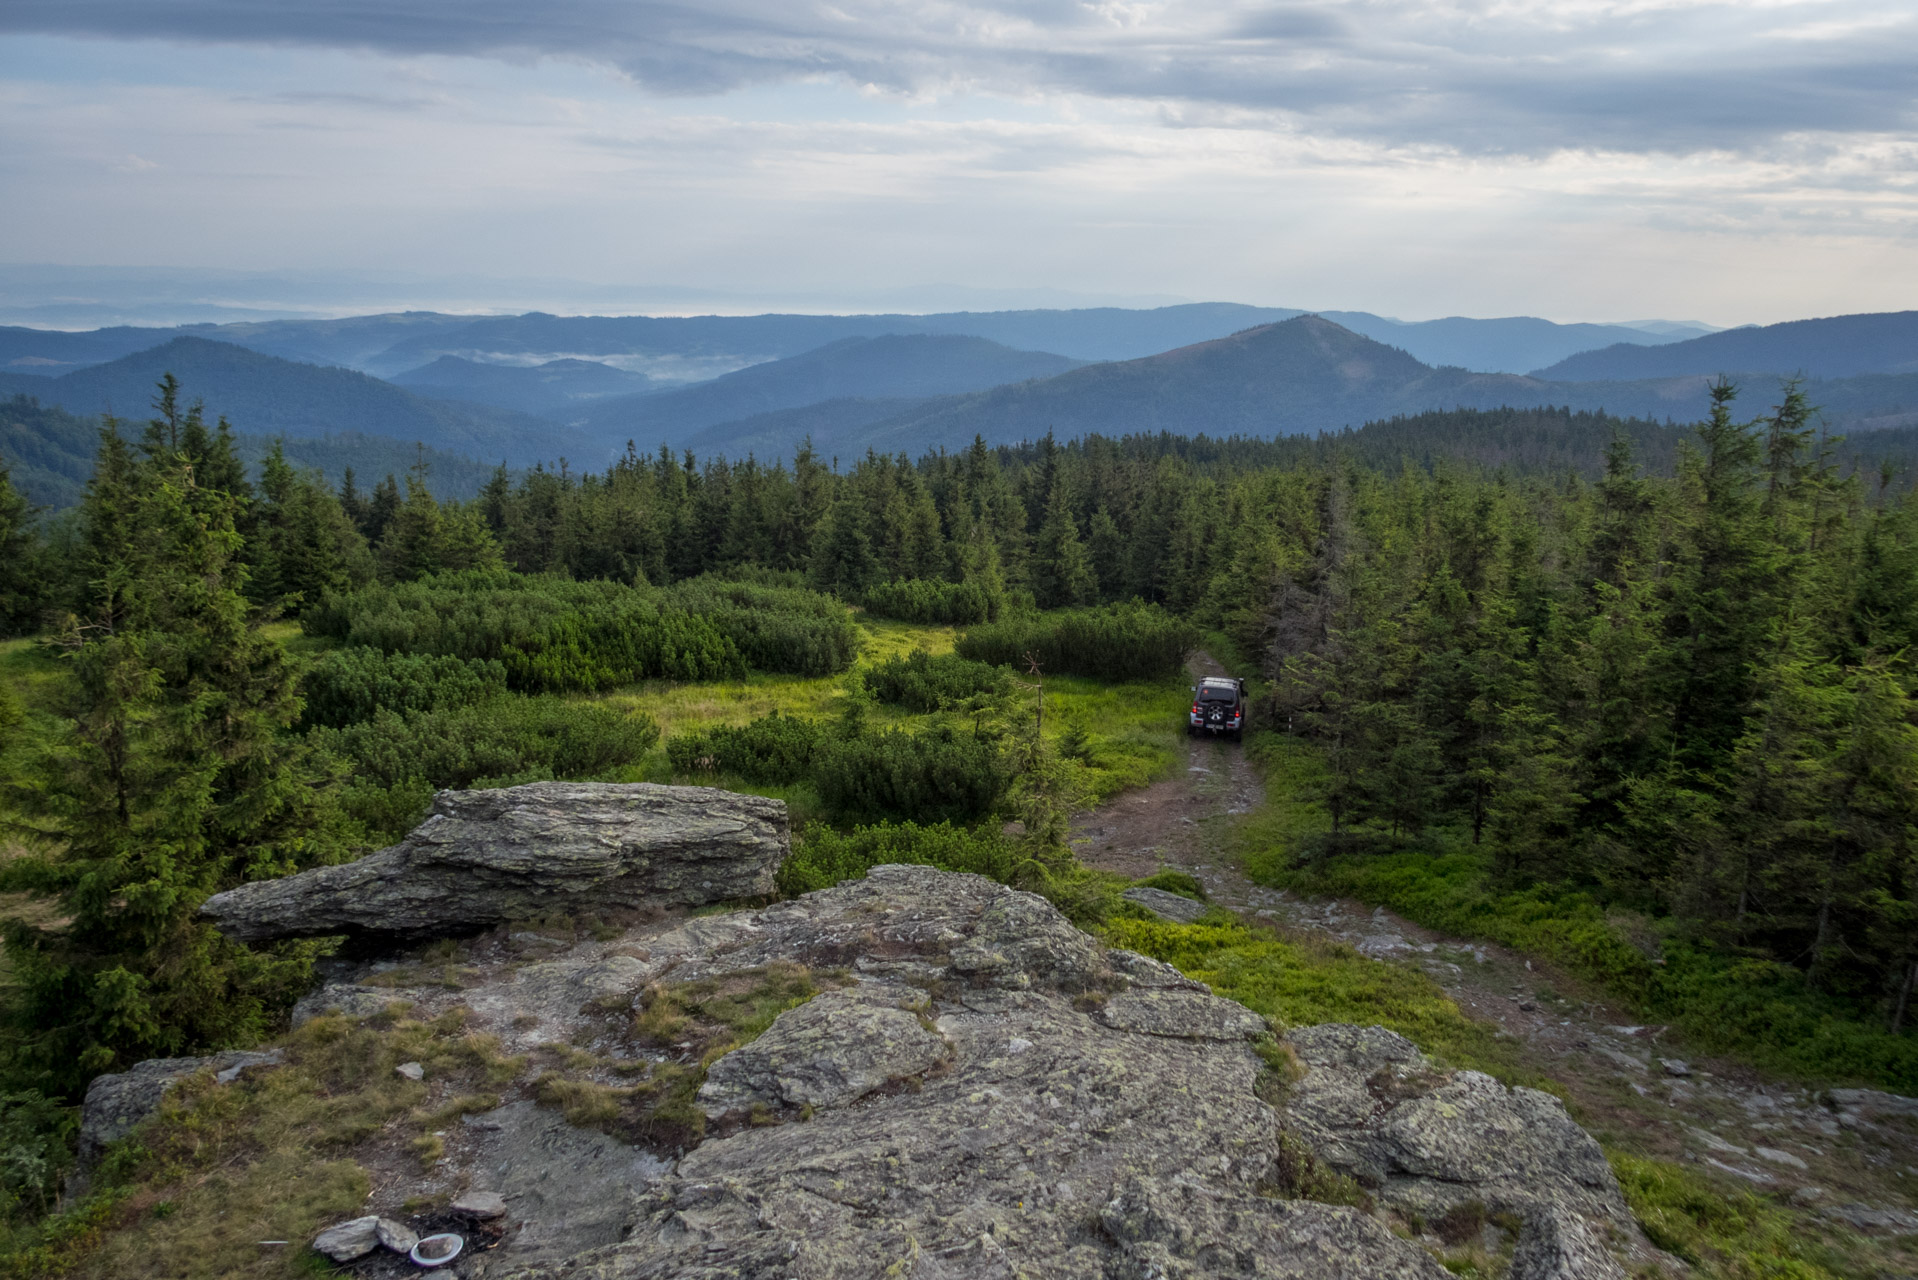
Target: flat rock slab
(830,1052)
(484,858)
(1165,905)
(1182,1015)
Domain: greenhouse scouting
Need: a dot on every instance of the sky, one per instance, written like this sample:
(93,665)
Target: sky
(1577,159)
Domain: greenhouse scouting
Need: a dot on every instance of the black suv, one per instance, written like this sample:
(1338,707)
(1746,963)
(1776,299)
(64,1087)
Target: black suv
(1218,706)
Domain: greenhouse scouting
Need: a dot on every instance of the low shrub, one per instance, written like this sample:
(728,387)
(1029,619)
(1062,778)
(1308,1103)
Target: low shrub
(920,682)
(1299,983)
(939,776)
(550,634)
(775,628)
(1118,642)
(394,761)
(822,857)
(773,749)
(347,686)
(928,600)
(1182,883)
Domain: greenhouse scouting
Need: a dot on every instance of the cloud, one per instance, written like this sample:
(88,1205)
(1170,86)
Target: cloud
(1481,77)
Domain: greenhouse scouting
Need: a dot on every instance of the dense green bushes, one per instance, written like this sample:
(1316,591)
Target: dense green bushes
(776,628)
(861,776)
(928,600)
(1119,642)
(939,776)
(555,636)
(823,857)
(774,749)
(350,685)
(552,636)
(923,683)
(398,759)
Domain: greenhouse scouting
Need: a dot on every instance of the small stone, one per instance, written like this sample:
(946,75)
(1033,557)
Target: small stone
(346,1241)
(479,1204)
(396,1236)
(411,1070)
(1675,1066)
(1527,1007)
(1017,1045)
(1776,1156)
(1807,1195)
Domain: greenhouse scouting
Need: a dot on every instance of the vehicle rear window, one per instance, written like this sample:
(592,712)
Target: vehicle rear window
(1218,695)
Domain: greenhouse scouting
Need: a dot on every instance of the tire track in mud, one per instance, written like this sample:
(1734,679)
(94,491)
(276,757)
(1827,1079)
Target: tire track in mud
(1849,1156)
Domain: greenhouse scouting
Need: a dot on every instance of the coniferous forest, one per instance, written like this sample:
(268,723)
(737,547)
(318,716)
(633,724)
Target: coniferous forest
(1651,713)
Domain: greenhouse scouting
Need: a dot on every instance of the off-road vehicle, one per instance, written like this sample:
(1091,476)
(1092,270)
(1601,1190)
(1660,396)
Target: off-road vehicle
(1218,707)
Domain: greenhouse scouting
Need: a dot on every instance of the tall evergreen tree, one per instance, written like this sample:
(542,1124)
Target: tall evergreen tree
(174,782)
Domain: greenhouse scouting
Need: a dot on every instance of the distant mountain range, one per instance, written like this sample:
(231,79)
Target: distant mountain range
(684,349)
(1298,376)
(904,392)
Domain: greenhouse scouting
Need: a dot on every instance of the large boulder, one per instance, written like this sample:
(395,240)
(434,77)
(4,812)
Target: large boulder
(483,858)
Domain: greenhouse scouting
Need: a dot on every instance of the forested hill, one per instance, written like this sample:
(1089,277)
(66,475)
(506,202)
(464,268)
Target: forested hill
(911,366)
(49,454)
(1832,347)
(264,395)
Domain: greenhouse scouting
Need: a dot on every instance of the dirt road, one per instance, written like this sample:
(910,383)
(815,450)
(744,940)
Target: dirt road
(1849,1156)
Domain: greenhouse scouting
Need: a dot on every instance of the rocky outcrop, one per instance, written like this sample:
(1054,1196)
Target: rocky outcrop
(483,858)
(997,1097)
(976,1089)
(1429,1143)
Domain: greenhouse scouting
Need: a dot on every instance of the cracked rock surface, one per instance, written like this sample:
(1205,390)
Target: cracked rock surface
(1429,1143)
(996,1095)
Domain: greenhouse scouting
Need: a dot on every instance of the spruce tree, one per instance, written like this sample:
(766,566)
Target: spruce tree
(23,573)
(174,782)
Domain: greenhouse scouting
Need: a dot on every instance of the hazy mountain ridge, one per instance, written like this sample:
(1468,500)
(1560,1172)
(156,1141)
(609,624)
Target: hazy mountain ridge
(1829,347)
(894,366)
(558,389)
(266,395)
(1298,376)
(49,454)
(684,348)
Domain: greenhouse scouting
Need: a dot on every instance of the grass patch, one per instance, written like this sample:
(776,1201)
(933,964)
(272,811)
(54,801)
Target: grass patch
(1740,1235)
(1299,983)
(695,1023)
(223,1167)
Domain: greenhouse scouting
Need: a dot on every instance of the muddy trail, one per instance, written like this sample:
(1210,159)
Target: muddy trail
(1848,1156)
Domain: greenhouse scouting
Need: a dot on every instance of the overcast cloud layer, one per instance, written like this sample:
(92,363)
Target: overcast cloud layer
(1518,75)
(1613,158)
